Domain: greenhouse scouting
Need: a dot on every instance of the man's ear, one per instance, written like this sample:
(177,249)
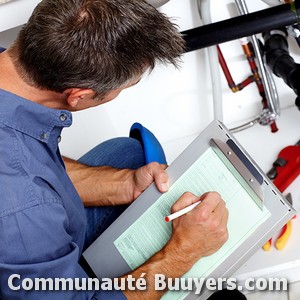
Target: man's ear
(75,95)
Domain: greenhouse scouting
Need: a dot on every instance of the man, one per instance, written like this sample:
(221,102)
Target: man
(73,55)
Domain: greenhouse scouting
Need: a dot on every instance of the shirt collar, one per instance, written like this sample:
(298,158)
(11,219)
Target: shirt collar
(31,118)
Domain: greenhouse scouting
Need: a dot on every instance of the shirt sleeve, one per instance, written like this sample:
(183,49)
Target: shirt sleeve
(36,244)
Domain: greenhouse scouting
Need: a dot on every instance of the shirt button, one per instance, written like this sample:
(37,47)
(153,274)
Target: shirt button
(63,117)
(59,139)
(44,135)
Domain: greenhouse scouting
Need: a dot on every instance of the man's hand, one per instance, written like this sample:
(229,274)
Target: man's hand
(144,176)
(196,234)
(203,230)
(100,186)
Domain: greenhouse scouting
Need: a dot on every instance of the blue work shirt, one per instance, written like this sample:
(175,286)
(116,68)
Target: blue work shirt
(42,218)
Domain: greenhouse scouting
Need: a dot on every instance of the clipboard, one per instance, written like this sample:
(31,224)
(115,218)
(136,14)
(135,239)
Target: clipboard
(215,147)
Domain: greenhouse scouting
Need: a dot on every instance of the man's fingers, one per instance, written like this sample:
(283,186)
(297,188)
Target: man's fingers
(164,166)
(210,200)
(159,175)
(185,200)
(225,216)
(162,182)
(219,217)
(220,208)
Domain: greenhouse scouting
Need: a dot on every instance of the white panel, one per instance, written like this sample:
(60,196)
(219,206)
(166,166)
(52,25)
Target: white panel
(15,13)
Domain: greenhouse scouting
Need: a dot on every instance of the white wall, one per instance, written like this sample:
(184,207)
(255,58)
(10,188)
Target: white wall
(173,104)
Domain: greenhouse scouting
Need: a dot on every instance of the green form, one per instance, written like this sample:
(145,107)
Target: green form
(150,232)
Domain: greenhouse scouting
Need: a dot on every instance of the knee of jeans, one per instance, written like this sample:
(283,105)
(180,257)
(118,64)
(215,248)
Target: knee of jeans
(122,152)
(128,153)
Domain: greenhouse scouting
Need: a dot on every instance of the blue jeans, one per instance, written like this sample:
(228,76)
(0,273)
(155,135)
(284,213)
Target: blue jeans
(121,153)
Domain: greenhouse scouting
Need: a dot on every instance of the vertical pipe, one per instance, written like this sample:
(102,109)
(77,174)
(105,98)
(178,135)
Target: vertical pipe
(271,94)
(204,12)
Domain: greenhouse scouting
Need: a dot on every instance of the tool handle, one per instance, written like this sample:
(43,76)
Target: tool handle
(284,235)
(267,245)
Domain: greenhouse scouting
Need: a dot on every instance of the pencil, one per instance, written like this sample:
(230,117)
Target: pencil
(181,212)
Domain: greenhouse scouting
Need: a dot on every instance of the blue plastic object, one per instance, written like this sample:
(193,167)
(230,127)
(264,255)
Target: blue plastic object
(153,150)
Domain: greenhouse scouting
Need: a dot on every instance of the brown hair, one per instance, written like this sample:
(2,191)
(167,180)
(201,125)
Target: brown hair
(97,44)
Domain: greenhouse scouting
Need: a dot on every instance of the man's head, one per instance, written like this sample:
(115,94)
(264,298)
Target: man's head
(100,45)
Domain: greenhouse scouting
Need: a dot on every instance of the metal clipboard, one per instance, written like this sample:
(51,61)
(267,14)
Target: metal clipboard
(105,259)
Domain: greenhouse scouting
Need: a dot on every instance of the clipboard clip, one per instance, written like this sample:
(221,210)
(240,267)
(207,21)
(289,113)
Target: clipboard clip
(235,159)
